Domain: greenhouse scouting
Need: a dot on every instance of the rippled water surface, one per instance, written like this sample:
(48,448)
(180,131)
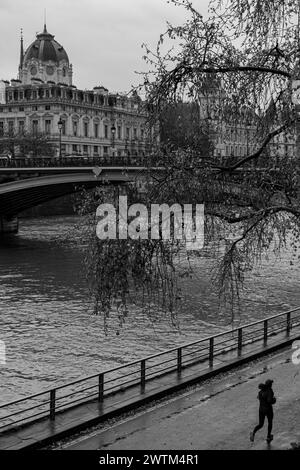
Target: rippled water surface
(51,337)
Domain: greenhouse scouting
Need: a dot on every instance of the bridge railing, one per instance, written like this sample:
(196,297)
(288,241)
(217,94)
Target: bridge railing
(75,161)
(99,387)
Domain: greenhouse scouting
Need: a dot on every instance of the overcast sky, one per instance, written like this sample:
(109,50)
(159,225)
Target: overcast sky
(101,37)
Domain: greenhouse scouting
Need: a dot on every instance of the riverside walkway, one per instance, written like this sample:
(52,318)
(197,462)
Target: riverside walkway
(43,418)
(215,415)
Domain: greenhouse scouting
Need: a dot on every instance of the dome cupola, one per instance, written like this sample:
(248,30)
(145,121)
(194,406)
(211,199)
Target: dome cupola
(45,49)
(45,60)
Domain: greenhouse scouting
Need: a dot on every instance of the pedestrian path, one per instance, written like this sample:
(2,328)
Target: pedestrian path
(77,418)
(218,415)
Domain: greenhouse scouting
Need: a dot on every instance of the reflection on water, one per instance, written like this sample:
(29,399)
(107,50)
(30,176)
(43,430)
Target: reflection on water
(51,336)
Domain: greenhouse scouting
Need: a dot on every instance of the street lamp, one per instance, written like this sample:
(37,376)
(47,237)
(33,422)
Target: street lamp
(60,126)
(113,133)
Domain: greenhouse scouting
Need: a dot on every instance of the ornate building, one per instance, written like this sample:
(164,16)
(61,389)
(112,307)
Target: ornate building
(92,122)
(233,135)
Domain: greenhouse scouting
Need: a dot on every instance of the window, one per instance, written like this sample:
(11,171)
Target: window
(21,127)
(105,150)
(86,129)
(106,131)
(119,132)
(85,149)
(63,129)
(21,95)
(21,108)
(75,128)
(1,129)
(47,107)
(134,133)
(35,125)
(47,93)
(34,108)
(96,130)
(74,148)
(10,127)
(95,149)
(48,126)
(142,133)
(127,133)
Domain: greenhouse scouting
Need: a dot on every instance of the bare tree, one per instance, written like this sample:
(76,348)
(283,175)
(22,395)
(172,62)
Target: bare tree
(237,67)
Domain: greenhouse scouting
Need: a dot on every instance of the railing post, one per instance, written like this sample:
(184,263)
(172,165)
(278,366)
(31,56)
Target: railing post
(100,387)
(211,352)
(240,341)
(143,374)
(288,323)
(265,332)
(179,359)
(52,404)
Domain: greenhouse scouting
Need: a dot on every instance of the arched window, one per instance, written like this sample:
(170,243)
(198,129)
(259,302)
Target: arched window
(86,128)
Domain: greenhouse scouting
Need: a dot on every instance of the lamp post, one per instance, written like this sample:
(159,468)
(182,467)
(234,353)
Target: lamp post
(113,133)
(179,123)
(60,126)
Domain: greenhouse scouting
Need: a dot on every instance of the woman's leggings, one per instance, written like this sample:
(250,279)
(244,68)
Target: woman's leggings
(262,416)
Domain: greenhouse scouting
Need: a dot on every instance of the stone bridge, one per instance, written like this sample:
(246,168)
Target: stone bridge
(25,184)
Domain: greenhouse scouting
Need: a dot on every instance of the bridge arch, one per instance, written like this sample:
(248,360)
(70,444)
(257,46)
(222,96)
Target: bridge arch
(17,196)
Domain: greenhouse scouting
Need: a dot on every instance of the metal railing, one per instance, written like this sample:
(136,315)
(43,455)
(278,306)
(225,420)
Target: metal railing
(138,373)
(76,161)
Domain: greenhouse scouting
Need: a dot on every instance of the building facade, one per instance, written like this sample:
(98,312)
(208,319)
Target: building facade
(90,123)
(233,135)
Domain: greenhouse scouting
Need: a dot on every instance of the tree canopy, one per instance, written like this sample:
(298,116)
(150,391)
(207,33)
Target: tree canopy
(35,144)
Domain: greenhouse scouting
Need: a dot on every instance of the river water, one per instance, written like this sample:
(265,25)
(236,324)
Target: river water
(51,336)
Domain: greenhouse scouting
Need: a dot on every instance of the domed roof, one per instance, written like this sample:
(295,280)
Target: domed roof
(45,48)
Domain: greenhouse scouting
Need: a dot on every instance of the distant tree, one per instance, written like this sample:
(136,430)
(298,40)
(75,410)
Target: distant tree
(181,128)
(27,144)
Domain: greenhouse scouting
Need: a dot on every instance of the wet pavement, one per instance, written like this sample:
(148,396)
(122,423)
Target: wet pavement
(216,415)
